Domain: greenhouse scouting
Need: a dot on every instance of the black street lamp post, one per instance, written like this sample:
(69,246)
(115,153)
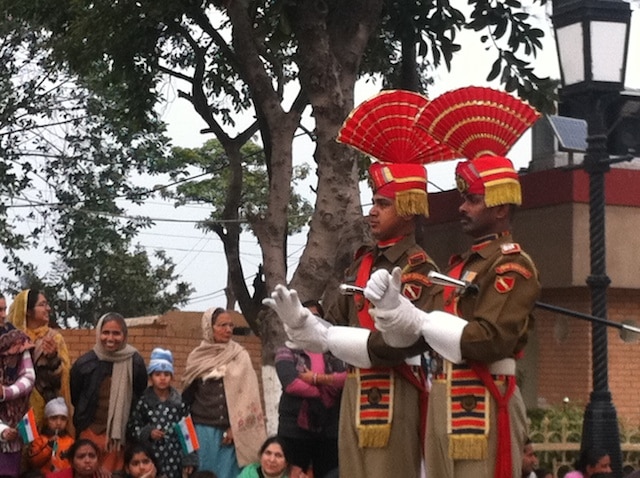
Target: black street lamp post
(592,37)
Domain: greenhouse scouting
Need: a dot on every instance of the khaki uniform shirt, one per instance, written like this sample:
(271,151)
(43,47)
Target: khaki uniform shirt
(403,454)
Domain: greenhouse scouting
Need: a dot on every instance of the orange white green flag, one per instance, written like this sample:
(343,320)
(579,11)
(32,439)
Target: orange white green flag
(27,427)
(187,435)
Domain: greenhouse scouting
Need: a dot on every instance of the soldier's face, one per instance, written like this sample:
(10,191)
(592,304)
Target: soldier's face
(384,221)
(476,218)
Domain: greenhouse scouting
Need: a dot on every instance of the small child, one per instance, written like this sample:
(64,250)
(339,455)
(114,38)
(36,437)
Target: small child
(48,452)
(153,417)
(140,462)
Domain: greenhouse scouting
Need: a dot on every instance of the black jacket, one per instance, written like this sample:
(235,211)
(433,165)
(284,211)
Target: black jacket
(87,373)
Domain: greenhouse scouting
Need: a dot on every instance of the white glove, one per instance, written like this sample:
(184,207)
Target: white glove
(302,327)
(383,289)
(441,330)
(401,326)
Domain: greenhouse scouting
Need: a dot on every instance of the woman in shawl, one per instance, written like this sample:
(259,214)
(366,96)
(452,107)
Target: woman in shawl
(16,377)
(29,312)
(222,390)
(105,384)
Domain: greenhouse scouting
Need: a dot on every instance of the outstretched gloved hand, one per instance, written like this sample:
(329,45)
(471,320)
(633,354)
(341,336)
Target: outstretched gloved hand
(302,327)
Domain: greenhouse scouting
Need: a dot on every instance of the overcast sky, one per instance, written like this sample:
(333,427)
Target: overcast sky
(200,258)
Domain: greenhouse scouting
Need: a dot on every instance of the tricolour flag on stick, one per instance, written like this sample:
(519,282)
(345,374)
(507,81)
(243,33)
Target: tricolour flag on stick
(27,427)
(187,434)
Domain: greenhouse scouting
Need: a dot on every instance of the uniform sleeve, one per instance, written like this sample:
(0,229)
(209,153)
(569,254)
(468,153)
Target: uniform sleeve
(500,319)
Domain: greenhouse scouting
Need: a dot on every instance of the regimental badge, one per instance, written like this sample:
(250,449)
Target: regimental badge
(504,284)
(412,291)
(374,396)
(468,403)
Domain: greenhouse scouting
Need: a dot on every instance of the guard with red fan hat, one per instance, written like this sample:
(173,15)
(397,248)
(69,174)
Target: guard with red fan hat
(477,422)
(383,408)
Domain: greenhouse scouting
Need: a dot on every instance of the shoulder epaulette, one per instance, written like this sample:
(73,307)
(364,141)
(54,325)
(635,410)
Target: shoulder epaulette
(417,258)
(510,248)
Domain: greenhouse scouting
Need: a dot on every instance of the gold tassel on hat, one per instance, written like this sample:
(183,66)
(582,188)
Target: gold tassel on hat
(502,191)
(412,202)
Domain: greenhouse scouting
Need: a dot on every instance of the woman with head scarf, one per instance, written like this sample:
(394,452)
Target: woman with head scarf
(16,377)
(29,312)
(105,384)
(222,389)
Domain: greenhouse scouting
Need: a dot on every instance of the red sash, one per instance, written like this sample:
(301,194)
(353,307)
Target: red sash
(365,320)
(503,453)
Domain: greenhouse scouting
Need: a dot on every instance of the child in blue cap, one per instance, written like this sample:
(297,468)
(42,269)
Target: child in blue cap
(158,410)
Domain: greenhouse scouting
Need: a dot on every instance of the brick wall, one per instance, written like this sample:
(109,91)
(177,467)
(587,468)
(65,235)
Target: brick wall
(179,332)
(563,356)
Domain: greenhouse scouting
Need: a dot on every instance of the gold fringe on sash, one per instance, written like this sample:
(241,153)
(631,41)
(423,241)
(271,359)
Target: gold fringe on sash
(468,413)
(468,447)
(374,436)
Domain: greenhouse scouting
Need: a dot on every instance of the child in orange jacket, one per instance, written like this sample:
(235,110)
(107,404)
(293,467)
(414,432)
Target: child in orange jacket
(48,452)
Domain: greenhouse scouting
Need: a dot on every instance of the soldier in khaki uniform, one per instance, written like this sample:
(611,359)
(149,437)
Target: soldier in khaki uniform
(477,419)
(382,414)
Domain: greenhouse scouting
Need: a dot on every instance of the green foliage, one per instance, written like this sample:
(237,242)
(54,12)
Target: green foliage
(67,156)
(211,158)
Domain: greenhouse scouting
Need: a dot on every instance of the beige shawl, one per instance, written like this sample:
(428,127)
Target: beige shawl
(231,362)
(121,392)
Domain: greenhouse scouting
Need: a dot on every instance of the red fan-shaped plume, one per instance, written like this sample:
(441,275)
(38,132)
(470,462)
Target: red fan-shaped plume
(384,127)
(476,120)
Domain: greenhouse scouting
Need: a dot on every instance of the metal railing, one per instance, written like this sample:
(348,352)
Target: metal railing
(557,444)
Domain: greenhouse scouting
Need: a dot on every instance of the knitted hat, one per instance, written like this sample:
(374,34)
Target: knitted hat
(492,176)
(56,407)
(161,361)
(405,183)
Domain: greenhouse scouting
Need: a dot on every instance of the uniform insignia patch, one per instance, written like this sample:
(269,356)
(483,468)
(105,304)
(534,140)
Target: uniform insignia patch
(415,277)
(412,291)
(513,267)
(417,258)
(504,284)
(510,248)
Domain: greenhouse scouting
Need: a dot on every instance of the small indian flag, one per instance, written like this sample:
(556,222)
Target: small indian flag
(187,434)
(27,427)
